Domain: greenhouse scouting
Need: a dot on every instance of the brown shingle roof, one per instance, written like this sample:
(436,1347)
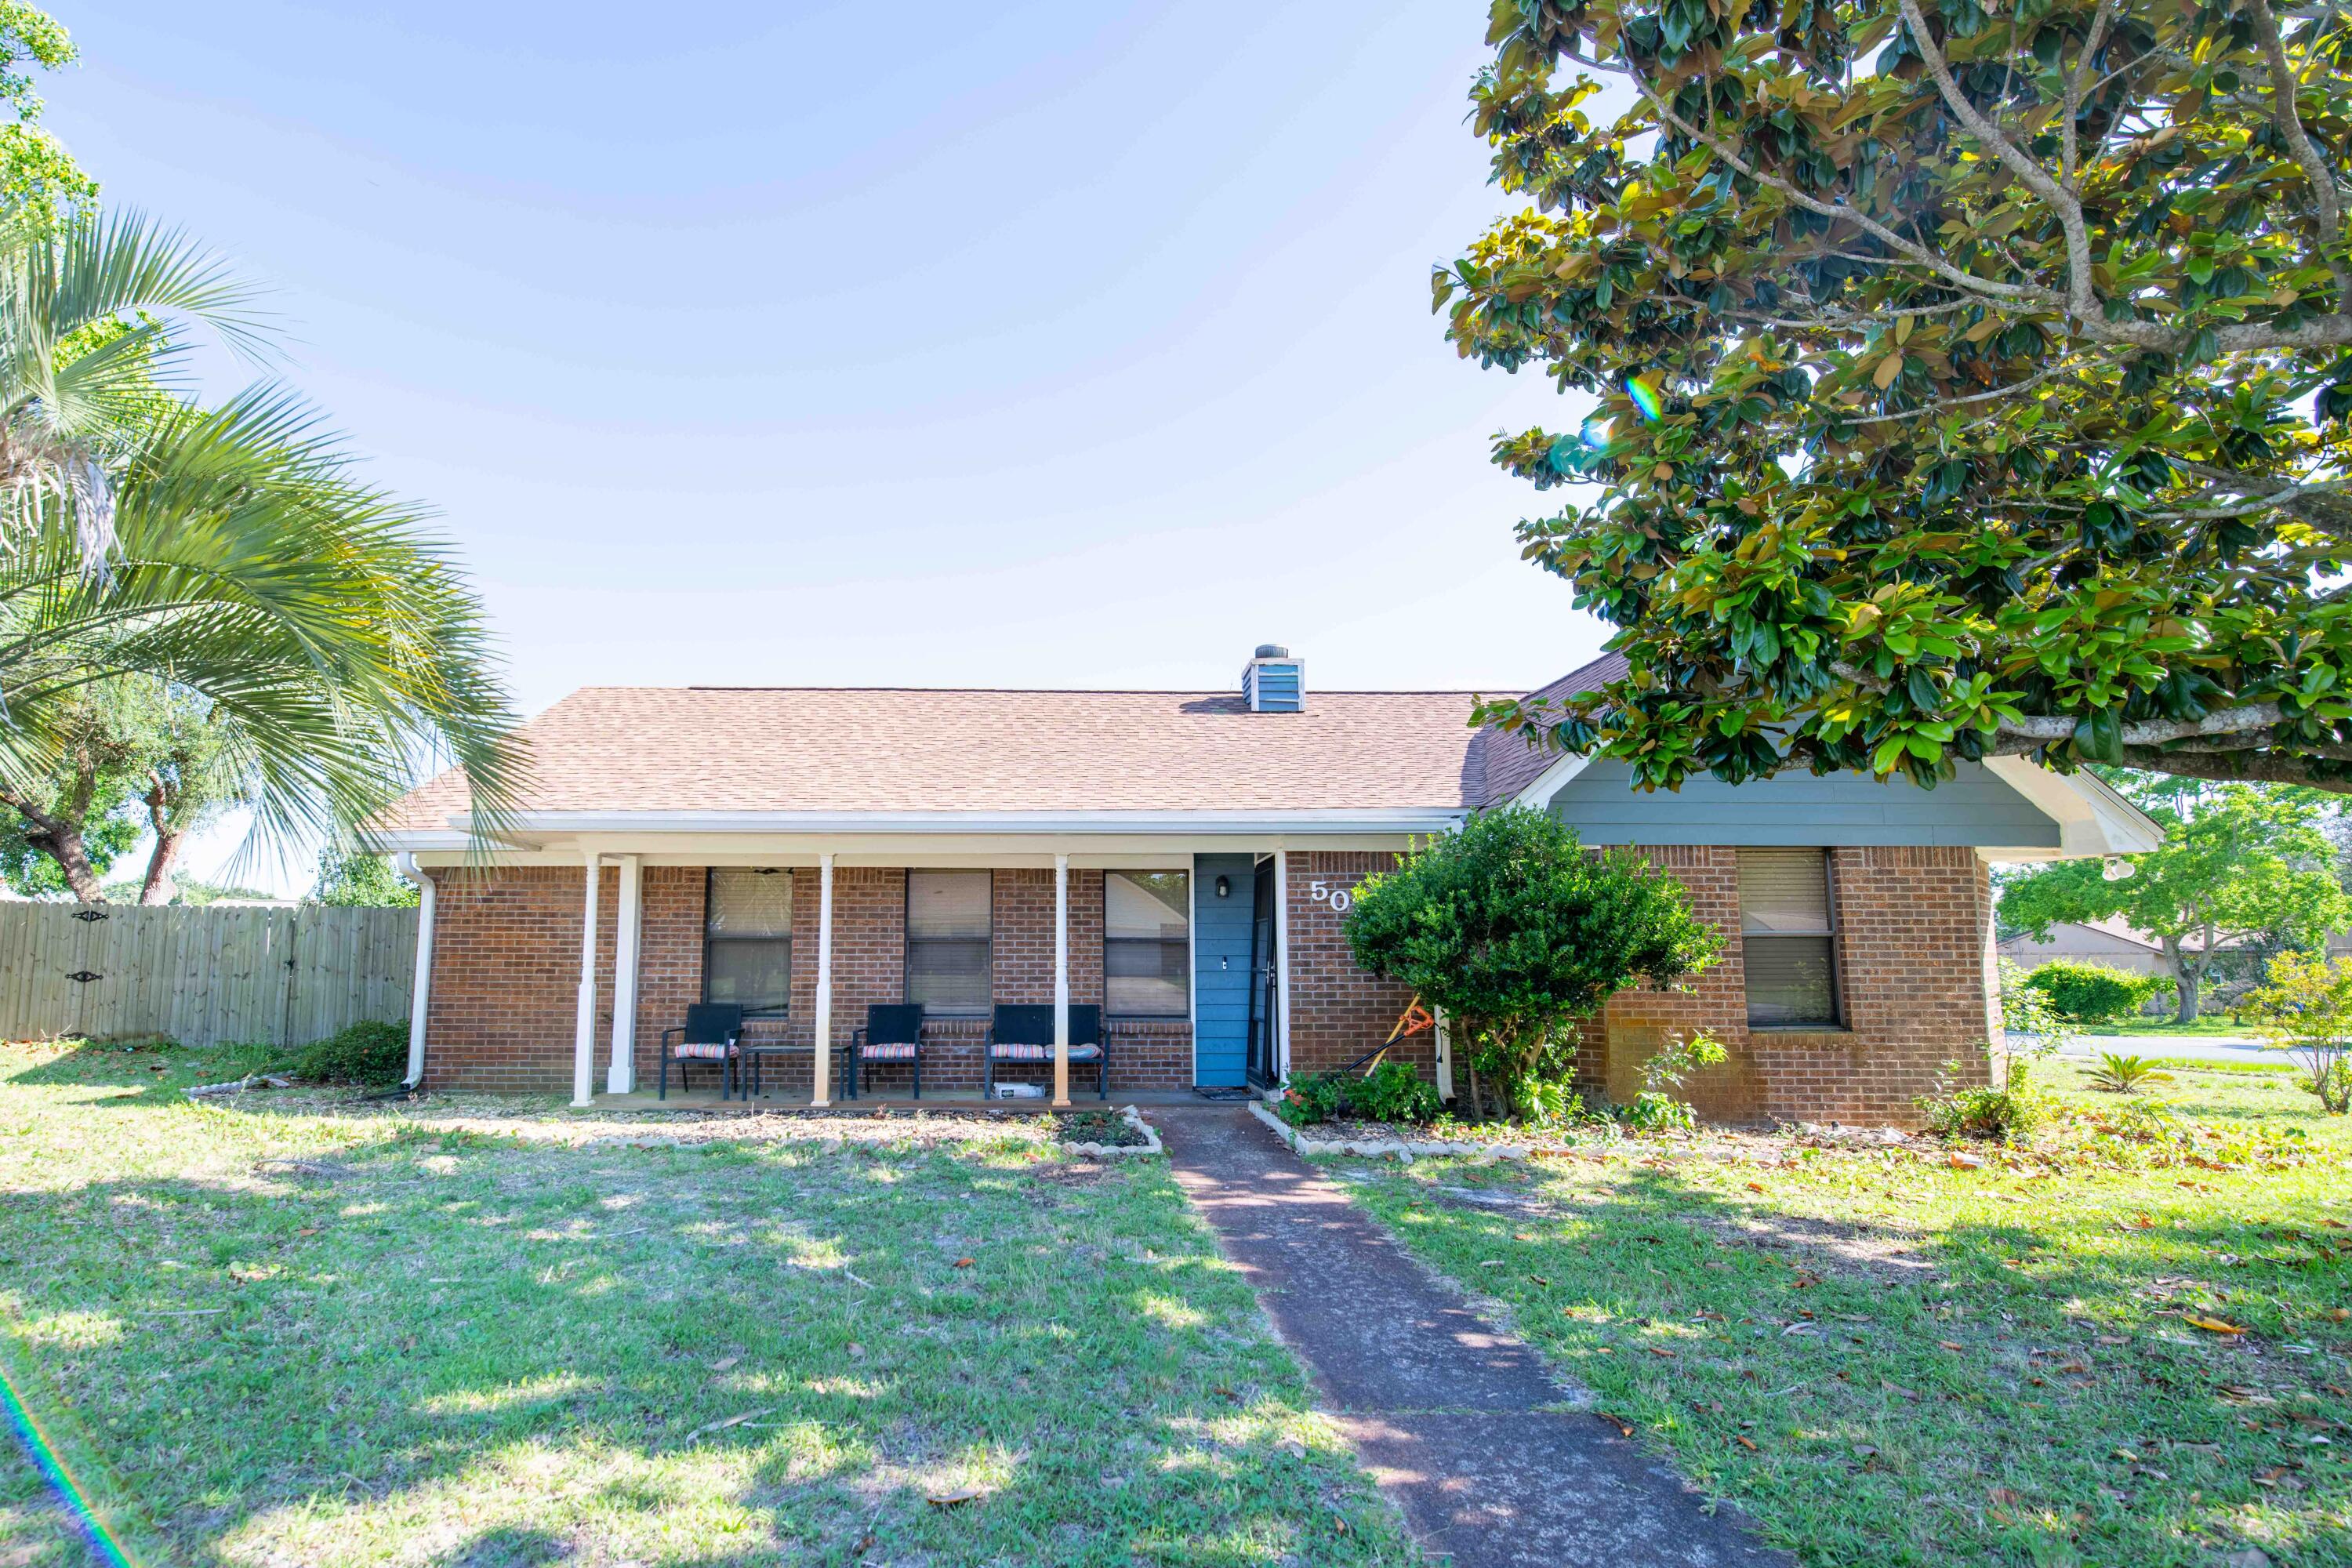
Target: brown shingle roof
(1512,763)
(615,748)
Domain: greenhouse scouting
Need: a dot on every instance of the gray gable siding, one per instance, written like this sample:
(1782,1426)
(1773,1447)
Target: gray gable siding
(1972,807)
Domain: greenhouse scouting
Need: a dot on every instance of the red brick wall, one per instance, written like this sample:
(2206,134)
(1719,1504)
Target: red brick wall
(1338,1012)
(507,967)
(1915,928)
(1915,923)
(506,973)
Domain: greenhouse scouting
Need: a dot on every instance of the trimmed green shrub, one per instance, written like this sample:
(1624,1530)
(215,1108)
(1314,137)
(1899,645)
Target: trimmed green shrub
(2095,993)
(1516,932)
(365,1053)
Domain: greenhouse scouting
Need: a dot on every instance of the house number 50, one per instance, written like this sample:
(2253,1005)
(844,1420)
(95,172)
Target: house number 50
(1323,893)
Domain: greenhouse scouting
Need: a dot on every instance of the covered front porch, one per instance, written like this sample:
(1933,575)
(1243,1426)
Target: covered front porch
(1181,944)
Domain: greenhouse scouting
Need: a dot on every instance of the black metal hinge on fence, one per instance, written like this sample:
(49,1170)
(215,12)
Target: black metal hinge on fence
(89,914)
(85,976)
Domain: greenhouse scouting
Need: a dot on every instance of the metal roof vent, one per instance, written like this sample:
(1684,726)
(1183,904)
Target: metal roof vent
(1273,681)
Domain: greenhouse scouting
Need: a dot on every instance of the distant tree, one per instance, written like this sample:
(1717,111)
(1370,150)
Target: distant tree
(65,827)
(2236,863)
(39,181)
(138,755)
(1517,933)
(2306,1001)
(1967,379)
(355,878)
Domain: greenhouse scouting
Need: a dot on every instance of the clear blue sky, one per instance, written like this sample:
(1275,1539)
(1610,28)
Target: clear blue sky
(1031,344)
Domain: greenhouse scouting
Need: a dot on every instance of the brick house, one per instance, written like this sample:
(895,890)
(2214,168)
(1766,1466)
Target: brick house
(1182,860)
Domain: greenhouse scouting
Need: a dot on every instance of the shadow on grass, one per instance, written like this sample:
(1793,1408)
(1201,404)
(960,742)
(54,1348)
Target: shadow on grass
(2007,1390)
(709,1354)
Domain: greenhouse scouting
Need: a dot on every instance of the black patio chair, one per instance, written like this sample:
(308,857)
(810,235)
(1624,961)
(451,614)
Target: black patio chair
(1024,1032)
(713,1032)
(892,1033)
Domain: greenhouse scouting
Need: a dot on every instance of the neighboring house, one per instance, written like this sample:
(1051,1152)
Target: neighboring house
(2112,942)
(1183,859)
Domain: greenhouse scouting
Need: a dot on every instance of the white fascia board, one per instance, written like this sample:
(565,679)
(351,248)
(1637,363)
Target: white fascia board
(1144,831)
(1547,783)
(2093,818)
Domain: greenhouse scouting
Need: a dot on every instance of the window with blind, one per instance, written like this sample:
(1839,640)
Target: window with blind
(948,931)
(747,940)
(1788,922)
(1148,945)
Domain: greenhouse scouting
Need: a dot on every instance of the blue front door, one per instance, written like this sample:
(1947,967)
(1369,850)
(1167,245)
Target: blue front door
(1221,959)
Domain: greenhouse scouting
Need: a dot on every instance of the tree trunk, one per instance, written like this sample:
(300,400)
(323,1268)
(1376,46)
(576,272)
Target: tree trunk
(2185,980)
(158,889)
(59,837)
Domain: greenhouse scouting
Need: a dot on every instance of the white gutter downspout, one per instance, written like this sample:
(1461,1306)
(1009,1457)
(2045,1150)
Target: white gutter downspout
(420,999)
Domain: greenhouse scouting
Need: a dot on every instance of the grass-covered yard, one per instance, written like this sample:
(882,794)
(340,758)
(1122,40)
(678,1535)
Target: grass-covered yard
(1890,1360)
(280,1329)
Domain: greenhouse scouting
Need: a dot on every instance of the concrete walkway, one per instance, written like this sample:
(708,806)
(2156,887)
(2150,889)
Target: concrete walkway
(1459,1422)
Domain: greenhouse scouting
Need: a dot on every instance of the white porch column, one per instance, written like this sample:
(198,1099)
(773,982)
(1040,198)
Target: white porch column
(583,1038)
(621,1077)
(420,996)
(1282,965)
(1061,980)
(821,1058)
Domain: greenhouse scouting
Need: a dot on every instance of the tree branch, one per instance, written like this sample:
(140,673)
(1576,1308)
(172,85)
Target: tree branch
(2151,732)
(2284,114)
(2234,767)
(1840,210)
(2080,300)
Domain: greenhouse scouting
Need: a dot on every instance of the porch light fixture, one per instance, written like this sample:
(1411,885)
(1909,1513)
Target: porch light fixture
(1224,886)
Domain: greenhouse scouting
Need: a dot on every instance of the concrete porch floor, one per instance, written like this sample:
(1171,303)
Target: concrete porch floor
(705,1100)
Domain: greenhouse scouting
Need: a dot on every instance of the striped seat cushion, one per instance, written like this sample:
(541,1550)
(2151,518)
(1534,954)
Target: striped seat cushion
(1004,1052)
(710,1050)
(889,1050)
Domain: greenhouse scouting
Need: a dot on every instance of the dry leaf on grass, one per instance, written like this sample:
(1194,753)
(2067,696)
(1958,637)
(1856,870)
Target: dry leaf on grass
(963,1263)
(961,1495)
(2211,1325)
(727,1363)
(722,1425)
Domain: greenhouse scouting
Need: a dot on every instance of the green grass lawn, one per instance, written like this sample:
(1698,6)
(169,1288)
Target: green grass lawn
(278,1330)
(1887,1360)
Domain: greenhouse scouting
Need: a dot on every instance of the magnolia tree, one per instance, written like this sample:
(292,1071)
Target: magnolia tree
(1972,379)
(1519,933)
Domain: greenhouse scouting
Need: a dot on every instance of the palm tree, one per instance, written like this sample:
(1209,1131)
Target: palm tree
(88,357)
(337,645)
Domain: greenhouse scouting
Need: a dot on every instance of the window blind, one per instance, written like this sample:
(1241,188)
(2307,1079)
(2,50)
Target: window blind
(747,949)
(751,903)
(948,955)
(1784,890)
(1789,943)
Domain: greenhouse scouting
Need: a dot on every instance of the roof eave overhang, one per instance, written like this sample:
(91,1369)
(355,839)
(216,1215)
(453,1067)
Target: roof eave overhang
(538,830)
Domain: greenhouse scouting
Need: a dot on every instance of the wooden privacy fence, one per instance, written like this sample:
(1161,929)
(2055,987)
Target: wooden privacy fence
(203,975)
